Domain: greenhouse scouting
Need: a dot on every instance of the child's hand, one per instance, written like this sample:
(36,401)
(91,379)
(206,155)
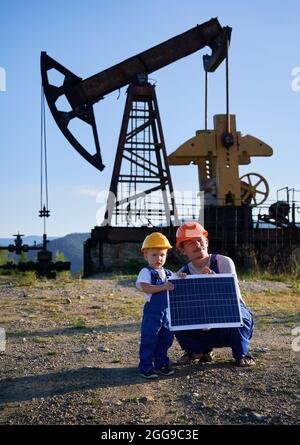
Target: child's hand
(181,274)
(207,270)
(169,286)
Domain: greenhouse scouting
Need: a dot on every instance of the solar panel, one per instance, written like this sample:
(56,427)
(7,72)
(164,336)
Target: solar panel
(204,301)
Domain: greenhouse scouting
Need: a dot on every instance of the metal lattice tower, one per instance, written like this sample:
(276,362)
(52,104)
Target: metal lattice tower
(141,190)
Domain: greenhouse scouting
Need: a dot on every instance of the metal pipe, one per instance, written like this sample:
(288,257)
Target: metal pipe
(227,86)
(206,96)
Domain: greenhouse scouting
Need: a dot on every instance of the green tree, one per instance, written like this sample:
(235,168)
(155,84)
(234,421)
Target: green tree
(59,256)
(23,258)
(3,256)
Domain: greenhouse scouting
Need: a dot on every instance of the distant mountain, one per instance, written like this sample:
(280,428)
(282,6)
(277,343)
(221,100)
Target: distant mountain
(70,245)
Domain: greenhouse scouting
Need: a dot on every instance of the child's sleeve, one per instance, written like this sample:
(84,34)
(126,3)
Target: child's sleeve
(143,277)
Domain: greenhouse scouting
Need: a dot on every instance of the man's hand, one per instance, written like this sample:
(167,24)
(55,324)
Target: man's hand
(207,270)
(181,274)
(169,286)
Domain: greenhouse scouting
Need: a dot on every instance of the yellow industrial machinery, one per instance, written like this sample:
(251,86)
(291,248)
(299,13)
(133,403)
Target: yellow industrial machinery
(218,164)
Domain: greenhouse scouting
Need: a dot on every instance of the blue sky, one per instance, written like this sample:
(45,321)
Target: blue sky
(87,37)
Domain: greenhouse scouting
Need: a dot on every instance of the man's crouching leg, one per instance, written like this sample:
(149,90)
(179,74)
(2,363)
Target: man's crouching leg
(241,340)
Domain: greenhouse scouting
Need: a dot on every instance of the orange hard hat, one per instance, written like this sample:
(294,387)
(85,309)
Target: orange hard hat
(189,230)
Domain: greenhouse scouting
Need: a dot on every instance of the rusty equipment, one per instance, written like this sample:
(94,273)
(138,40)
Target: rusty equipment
(43,267)
(140,162)
(83,94)
(141,167)
(141,170)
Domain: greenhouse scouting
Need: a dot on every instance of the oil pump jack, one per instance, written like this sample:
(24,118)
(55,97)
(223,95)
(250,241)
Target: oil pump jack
(141,167)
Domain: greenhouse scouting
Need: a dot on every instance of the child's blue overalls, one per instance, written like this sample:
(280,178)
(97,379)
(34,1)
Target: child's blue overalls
(201,341)
(156,338)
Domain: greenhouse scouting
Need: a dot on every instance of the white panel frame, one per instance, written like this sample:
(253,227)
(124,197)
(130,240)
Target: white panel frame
(207,325)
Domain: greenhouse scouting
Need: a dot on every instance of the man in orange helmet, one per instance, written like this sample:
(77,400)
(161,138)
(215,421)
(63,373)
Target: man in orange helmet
(192,241)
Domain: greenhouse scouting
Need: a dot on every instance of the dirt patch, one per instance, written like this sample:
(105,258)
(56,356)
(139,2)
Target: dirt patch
(72,352)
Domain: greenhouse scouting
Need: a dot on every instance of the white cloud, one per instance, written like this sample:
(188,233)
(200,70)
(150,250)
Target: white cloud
(88,191)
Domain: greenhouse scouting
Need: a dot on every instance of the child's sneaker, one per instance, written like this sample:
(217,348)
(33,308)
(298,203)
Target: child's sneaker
(165,370)
(149,375)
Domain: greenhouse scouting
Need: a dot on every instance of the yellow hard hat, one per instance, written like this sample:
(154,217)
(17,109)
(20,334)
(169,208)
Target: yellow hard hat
(156,240)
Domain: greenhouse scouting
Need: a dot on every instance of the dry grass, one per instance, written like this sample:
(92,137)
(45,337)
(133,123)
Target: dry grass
(276,303)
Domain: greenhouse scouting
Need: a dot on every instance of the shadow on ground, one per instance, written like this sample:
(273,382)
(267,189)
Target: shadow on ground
(129,327)
(46,385)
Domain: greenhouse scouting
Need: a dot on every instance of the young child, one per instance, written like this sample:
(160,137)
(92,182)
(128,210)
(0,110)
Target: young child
(156,338)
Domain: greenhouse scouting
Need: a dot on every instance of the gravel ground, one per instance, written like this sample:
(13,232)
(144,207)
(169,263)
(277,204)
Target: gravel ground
(72,351)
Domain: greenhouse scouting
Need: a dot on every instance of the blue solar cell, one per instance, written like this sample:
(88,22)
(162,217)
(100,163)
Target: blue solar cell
(204,301)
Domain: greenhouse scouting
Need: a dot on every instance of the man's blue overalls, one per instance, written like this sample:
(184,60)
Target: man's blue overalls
(200,341)
(156,338)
